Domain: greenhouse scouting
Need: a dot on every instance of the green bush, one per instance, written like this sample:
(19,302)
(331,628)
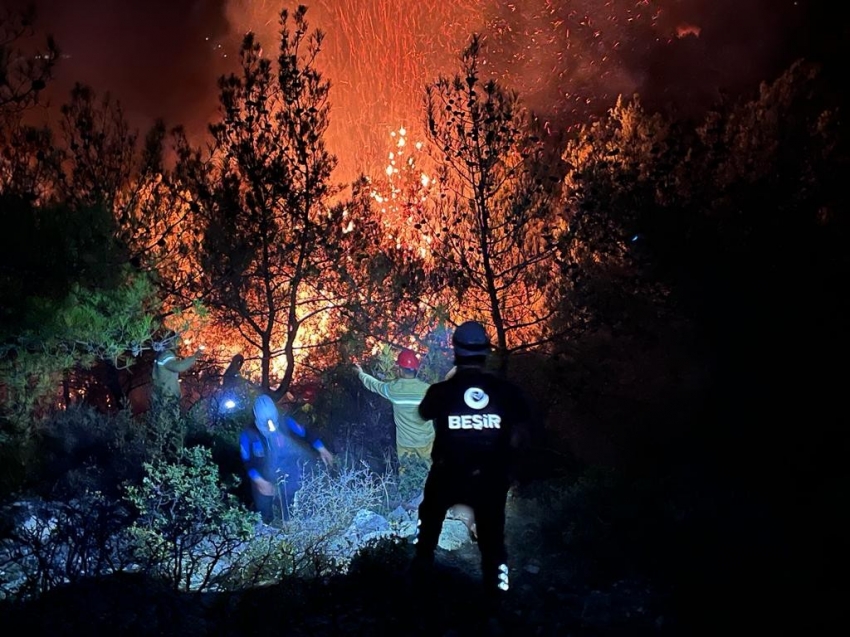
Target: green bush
(267,558)
(83,450)
(17,458)
(188,523)
(165,429)
(413,471)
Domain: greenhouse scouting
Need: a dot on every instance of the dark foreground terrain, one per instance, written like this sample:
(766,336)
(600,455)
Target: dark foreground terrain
(557,589)
(376,598)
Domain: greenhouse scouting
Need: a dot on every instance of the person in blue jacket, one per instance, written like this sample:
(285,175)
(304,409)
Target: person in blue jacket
(270,460)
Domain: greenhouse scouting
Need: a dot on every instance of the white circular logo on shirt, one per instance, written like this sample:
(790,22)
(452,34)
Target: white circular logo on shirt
(476,398)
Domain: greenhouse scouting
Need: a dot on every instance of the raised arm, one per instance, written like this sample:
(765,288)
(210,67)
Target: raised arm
(371,383)
(177,365)
(315,442)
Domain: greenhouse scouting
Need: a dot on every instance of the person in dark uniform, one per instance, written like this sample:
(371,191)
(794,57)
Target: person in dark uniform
(479,419)
(232,377)
(269,462)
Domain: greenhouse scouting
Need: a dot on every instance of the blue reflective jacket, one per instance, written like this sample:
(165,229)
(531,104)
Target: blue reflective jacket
(262,446)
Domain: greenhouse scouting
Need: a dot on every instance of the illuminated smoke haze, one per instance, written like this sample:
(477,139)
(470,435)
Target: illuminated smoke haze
(151,55)
(568,59)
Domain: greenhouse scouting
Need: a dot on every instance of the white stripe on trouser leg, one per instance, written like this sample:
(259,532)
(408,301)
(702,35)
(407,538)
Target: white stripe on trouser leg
(503,577)
(416,532)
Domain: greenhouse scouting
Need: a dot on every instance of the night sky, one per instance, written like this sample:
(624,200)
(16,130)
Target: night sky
(568,59)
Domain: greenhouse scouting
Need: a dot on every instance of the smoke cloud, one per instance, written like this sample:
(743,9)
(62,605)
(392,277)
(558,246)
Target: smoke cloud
(152,56)
(567,59)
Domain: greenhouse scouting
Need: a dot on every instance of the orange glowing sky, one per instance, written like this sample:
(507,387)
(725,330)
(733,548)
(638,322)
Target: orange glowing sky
(568,59)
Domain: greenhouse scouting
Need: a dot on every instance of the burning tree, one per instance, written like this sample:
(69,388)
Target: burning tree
(391,300)
(492,229)
(271,237)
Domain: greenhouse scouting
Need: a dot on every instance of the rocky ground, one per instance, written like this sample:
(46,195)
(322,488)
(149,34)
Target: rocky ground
(553,593)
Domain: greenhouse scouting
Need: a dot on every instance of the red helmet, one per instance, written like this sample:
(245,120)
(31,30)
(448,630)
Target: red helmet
(407,360)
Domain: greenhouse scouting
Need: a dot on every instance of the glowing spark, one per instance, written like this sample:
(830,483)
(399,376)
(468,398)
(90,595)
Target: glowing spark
(379,54)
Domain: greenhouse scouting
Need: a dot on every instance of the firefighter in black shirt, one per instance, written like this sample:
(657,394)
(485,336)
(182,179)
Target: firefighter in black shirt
(479,420)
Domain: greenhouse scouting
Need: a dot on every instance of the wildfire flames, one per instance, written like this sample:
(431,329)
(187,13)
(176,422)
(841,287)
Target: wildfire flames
(402,189)
(565,58)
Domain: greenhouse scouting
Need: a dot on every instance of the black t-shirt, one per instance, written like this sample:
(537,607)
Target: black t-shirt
(476,414)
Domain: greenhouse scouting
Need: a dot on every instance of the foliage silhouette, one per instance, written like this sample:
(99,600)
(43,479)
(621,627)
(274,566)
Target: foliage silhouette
(494,227)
